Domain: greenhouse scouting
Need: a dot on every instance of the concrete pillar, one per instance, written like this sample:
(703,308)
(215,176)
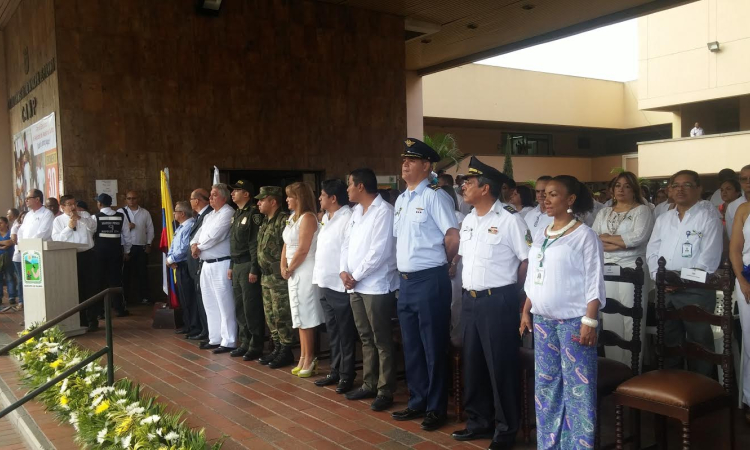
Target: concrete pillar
(414,106)
(745,113)
(7,186)
(676,124)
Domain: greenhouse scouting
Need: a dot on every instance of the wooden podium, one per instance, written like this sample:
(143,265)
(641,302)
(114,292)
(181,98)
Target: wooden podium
(50,283)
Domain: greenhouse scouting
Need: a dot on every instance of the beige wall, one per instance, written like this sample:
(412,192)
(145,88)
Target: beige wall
(6,150)
(479,92)
(527,168)
(676,67)
(705,155)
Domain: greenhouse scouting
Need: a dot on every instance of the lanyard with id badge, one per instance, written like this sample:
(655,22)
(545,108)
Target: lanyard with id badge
(687,247)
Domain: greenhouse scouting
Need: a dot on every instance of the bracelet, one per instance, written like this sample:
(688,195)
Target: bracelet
(589,322)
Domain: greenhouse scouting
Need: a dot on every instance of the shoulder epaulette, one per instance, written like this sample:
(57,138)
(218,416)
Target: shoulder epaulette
(434,187)
(510,209)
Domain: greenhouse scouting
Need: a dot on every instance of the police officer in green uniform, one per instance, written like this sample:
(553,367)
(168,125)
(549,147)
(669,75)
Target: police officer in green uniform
(275,289)
(244,272)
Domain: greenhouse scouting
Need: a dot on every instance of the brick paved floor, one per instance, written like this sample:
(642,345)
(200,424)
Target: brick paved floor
(261,408)
(9,437)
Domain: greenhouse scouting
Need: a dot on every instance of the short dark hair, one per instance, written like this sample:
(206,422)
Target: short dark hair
(495,187)
(14,212)
(526,194)
(4,220)
(690,173)
(452,194)
(544,178)
(727,174)
(336,188)
(511,183)
(38,194)
(65,198)
(367,178)
(584,202)
(447,178)
(735,184)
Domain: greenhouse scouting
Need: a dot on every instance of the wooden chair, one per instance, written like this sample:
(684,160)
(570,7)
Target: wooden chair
(610,372)
(681,394)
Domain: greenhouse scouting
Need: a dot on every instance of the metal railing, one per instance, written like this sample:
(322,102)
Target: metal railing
(106,295)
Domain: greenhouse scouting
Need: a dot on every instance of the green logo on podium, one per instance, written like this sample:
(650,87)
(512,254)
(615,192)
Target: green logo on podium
(32,268)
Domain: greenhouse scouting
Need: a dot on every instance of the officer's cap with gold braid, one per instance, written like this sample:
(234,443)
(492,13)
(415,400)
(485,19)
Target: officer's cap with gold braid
(414,148)
(479,169)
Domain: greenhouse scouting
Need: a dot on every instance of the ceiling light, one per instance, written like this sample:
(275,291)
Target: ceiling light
(208,7)
(713,46)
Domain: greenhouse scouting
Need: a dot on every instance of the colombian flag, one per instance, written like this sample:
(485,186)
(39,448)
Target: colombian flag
(167,234)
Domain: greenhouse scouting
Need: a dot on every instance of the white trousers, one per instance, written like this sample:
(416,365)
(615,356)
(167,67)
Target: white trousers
(744,309)
(622,325)
(218,300)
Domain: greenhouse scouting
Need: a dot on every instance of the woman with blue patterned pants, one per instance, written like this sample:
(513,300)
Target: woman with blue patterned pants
(564,291)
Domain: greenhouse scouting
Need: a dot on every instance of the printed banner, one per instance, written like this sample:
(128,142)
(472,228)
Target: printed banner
(35,160)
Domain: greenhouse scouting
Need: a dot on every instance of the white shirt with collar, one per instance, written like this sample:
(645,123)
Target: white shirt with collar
(124,234)
(492,247)
(143,233)
(328,254)
(716,198)
(14,230)
(696,131)
(732,211)
(37,225)
(213,237)
(369,249)
(695,242)
(83,233)
(537,221)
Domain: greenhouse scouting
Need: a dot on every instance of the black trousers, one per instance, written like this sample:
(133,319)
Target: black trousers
(342,332)
(109,273)
(490,360)
(194,267)
(87,283)
(188,302)
(135,271)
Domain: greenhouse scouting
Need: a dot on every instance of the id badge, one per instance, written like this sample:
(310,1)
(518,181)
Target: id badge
(539,275)
(687,250)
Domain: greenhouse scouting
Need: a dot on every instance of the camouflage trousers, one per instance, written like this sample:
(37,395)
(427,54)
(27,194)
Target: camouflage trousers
(278,314)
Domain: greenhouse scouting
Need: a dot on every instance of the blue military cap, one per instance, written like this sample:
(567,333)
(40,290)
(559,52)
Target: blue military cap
(414,148)
(479,169)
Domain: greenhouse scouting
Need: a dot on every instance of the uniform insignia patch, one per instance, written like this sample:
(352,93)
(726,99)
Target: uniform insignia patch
(257,219)
(492,230)
(529,241)
(244,220)
(434,187)
(409,142)
(420,210)
(510,209)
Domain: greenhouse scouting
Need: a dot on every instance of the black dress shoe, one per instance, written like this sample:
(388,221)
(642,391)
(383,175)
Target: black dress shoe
(361,394)
(207,346)
(500,445)
(433,420)
(407,414)
(252,355)
(93,326)
(470,435)
(327,380)
(221,349)
(344,386)
(180,331)
(198,337)
(237,352)
(381,403)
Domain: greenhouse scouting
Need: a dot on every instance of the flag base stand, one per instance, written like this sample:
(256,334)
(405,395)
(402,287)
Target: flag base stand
(166,317)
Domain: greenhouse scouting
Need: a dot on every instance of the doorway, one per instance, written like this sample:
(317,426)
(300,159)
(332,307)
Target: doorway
(281,178)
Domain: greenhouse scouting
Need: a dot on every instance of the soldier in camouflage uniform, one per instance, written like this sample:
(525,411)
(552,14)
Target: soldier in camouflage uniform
(275,289)
(244,272)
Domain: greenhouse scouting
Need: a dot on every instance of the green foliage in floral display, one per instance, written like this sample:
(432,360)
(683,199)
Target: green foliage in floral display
(104,417)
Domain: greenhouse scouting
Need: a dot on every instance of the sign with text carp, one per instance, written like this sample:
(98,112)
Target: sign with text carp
(35,160)
(31,267)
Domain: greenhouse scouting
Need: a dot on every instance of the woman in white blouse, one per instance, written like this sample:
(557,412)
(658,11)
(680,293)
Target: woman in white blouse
(624,229)
(342,333)
(739,255)
(297,263)
(565,290)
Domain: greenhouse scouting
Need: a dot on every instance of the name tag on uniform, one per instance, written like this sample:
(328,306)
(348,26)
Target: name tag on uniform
(613,271)
(687,250)
(693,275)
(244,220)
(539,275)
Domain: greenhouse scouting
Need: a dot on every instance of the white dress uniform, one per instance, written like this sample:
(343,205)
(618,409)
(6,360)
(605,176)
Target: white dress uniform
(744,309)
(634,227)
(537,220)
(304,296)
(216,287)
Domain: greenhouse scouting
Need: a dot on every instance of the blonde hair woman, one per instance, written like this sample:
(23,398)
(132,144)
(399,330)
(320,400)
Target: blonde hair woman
(297,264)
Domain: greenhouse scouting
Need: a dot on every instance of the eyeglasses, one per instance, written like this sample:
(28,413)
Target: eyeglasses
(29,198)
(682,186)
(744,179)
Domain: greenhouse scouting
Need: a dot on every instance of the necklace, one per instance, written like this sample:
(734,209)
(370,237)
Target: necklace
(562,230)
